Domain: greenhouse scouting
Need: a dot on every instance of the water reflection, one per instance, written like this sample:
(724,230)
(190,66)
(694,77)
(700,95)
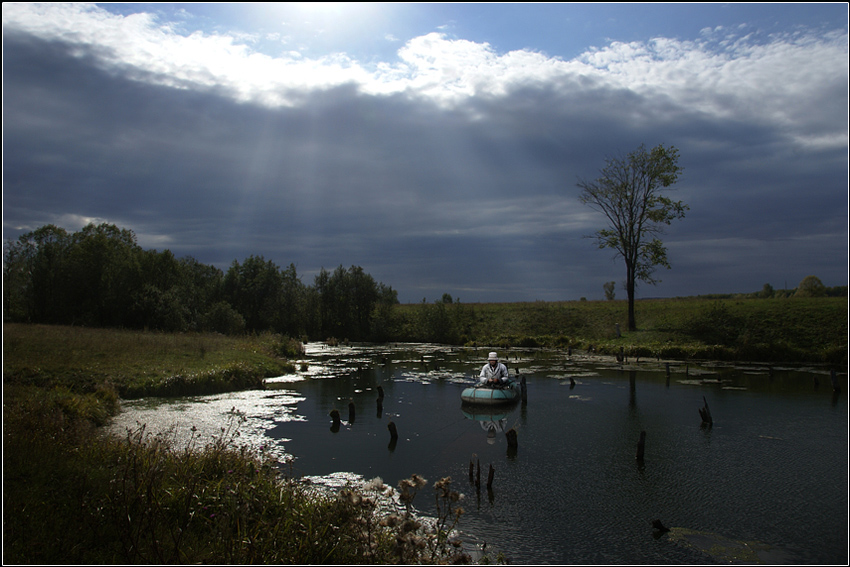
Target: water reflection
(770,469)
(491,421)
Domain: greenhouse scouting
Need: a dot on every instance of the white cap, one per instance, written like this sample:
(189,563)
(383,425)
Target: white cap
(492,356)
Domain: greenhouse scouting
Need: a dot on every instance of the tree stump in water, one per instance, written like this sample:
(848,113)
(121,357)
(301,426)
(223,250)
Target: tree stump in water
(393,436)
(657,525)
(705,414)
(511,437)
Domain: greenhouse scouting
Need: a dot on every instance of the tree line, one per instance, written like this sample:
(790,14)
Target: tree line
(100,276)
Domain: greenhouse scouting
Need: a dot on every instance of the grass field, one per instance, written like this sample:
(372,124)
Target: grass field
(137,363)
(810,330)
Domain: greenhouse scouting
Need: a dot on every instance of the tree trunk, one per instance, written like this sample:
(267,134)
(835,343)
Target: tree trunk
(630,291)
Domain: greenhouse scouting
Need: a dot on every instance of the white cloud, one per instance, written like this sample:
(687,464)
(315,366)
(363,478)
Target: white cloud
(722,74)
(789,82)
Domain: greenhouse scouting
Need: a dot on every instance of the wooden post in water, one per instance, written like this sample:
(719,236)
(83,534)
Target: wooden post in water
(471,471)
(335,420)
(351,412)
(705,414)
(511,437)
(380,393)
(640,446)
(478,475)
(490,477)
(393,436)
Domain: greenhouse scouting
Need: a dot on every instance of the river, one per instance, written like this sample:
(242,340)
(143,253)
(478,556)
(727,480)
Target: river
(769,477)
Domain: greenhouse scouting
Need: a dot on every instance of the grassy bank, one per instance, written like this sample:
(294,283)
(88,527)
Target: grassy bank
(803,330)
(74,495)
(138,363)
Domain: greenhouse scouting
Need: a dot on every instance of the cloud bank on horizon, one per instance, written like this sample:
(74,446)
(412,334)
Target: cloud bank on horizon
(438,162)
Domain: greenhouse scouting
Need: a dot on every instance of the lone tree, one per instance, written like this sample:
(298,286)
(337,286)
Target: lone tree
(811,286)
(628,193)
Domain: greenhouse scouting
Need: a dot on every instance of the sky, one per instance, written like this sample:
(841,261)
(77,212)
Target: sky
(437,146)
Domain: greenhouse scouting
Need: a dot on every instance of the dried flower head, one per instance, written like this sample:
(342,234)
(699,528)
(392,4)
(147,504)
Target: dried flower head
(376,483)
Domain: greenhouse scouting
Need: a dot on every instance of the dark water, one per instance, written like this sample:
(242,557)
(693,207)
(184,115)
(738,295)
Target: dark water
(772,469)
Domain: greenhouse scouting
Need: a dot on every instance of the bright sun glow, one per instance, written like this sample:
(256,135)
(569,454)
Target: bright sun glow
(336,26)
(323,7)
(320,12)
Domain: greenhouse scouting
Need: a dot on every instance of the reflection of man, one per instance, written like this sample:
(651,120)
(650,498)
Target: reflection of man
(494,373)
(496,426)
(491,427)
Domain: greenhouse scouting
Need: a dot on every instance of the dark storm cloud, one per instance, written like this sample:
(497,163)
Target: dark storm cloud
(479,200)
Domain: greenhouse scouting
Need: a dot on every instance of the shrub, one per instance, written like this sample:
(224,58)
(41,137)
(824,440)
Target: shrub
(715,325)
(287,347)
(222,318)
(811,286)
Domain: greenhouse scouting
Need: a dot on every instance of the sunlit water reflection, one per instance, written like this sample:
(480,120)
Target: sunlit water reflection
(772,469)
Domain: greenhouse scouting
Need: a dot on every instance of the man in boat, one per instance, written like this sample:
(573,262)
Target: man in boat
(494,374)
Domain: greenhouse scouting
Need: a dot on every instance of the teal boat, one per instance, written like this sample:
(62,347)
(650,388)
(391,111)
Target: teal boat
(486,395)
